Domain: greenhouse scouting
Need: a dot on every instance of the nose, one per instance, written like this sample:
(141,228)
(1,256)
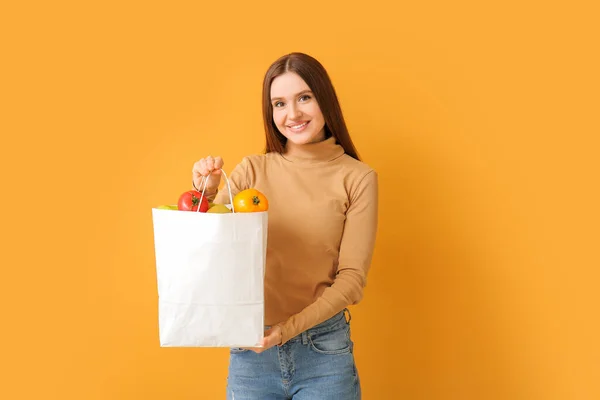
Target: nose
(294,111)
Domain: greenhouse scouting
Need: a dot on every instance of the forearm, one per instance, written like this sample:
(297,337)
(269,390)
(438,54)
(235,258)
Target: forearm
(347,289)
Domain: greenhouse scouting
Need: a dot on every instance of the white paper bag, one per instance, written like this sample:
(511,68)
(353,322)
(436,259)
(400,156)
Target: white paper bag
(210,273)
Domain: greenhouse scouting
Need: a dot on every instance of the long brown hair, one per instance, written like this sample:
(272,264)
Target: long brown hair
(317,79)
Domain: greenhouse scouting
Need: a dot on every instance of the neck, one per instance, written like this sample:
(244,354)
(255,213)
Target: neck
(323,151)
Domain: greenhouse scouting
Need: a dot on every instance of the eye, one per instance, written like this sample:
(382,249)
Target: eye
(278,104)
(304,97)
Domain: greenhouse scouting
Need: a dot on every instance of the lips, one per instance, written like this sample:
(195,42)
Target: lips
(296,127)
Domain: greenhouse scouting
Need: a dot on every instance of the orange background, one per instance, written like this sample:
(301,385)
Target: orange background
(482,121)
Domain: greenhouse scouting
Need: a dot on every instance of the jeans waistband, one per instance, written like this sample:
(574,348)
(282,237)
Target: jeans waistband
(333,323)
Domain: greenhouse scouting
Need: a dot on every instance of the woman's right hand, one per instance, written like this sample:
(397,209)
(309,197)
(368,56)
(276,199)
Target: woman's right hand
(205,167)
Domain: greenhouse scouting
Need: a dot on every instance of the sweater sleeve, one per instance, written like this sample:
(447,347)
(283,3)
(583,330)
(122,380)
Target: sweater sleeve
(238,179)
(356,251)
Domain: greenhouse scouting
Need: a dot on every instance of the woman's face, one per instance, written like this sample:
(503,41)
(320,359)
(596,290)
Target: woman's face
(296,112)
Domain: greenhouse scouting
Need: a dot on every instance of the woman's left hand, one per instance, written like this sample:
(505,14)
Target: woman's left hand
(272,338)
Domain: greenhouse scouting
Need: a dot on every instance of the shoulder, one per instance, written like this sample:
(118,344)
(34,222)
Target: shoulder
(255,161)
(360,179)
(254,165)
(262,161)
(357,170)
(250,161)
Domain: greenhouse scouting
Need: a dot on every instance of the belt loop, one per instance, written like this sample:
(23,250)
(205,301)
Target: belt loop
(349,315)
(304,337)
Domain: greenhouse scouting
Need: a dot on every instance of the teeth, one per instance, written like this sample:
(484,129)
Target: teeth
(299,126)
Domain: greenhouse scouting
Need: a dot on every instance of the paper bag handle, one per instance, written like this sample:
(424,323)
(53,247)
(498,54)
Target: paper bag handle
(205,180)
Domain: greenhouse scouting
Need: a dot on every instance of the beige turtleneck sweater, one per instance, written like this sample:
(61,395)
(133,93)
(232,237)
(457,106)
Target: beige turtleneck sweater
(322,228)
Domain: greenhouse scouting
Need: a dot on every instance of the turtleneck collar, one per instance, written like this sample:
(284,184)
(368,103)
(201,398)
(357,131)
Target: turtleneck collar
(323,151)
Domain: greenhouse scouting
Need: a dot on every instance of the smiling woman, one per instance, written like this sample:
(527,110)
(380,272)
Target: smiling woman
(319,193)
(298,90)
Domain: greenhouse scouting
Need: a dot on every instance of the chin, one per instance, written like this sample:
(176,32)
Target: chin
(304,138)
(300,140)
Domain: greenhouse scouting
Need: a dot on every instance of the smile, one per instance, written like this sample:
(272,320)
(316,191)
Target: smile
(298,127)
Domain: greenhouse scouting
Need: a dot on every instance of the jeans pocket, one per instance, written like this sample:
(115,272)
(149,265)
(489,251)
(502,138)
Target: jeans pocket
(331,342)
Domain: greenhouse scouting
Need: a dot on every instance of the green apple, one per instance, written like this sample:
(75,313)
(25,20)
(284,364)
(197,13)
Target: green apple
(219,209)
(167,207)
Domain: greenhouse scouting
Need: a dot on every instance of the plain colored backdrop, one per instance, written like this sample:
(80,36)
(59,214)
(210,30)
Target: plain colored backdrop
(481,119)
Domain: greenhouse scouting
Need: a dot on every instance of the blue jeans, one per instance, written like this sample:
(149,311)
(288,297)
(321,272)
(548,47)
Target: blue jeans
(316,365)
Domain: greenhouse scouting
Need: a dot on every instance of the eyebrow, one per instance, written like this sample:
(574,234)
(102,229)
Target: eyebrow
(296,95)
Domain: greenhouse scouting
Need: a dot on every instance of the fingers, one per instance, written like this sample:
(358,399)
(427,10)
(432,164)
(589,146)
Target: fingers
(214,165)
(257,350)
(199,168)
(198,172)
(210,163)
(218,163)
(267,339)
(206,166)
(271,338)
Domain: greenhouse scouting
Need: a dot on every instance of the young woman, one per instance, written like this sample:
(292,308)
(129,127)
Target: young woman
(322,229)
